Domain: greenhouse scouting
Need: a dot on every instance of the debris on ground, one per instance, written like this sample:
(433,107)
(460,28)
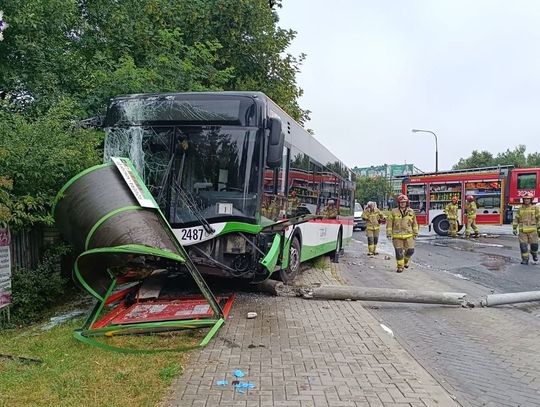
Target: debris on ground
(21,359)
(251,315)
(57,320)
(241,387)
(238,373)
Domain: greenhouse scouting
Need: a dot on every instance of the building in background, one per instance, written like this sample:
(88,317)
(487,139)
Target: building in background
(393,172)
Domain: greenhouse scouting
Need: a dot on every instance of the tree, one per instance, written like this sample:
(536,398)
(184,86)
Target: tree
(37,157)
(93,50)
(515,157)
(372,189)
(476,160)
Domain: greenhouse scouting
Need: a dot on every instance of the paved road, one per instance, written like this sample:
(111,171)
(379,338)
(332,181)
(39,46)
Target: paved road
(484,357)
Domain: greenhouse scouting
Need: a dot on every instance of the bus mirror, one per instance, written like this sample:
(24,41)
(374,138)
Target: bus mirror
(275,144)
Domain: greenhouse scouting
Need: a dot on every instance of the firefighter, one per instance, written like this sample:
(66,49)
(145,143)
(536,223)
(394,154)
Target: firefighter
(470,211)
(451,212)
(330,211)
(402,228)
(373,217)
(293,203)
(526,224)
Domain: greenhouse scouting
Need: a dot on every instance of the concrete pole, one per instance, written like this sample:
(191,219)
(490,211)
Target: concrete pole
(510,298)
(383,294)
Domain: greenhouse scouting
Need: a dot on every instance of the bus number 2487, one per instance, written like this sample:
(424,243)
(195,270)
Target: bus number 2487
(193,234)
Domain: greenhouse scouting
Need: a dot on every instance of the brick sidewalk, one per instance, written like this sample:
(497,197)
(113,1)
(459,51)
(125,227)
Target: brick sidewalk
(303,353)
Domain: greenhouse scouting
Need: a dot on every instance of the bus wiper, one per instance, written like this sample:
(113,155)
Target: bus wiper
(186,199)
(193,208)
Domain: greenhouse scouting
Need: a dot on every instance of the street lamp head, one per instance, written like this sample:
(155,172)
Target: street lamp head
(415,130)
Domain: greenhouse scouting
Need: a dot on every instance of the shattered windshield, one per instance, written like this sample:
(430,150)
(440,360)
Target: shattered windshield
(217,167)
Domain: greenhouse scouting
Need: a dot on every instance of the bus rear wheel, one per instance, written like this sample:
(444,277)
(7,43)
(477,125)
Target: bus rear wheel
(289,274)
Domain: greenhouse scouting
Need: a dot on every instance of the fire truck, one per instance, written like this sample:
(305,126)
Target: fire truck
(497,190)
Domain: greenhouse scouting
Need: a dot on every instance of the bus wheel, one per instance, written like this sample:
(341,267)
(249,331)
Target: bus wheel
(441,226)
(289,274)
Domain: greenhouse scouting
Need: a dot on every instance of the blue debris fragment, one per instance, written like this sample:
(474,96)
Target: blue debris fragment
(238,373)
(243,386)
(222,382)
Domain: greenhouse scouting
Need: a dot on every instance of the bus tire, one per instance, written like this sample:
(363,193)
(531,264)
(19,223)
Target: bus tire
(441,225)
(288,274)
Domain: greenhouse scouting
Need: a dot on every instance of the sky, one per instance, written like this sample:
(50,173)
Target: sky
(467,70)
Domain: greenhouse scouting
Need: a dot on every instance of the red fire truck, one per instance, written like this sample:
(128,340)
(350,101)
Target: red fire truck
(497,191)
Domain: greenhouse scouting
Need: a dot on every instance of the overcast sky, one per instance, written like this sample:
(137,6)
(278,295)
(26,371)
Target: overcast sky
(469,70)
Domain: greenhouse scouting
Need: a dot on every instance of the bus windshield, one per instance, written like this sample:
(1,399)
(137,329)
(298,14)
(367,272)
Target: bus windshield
(217,168)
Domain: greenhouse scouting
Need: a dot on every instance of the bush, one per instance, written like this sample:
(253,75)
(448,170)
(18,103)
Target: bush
(35,291)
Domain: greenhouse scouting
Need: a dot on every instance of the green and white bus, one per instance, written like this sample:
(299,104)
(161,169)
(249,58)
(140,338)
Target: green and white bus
(246,189)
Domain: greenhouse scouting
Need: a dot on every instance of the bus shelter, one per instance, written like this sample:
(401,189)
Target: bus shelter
(127,248)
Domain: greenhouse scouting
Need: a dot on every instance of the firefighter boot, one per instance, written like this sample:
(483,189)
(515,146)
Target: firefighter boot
(524,249)
(408,255)
(534,251)
(400,260)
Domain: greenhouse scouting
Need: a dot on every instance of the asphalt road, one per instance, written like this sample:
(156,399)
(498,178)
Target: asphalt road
(492,261)
(481,356)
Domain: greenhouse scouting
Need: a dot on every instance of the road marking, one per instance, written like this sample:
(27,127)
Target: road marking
(387,330)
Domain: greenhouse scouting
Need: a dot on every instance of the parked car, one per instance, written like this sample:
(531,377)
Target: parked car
(359,223)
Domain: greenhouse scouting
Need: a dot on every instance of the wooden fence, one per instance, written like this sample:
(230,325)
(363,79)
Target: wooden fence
(27,246)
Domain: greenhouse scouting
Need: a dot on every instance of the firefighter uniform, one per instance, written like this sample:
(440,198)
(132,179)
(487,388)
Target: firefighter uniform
(451,212)
(292,205)
(470,211)
(330,211)
(526,223)
(402,228)
(373,217)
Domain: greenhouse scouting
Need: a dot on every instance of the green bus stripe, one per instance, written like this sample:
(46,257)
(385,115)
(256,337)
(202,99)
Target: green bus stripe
(240,227)
(104,218)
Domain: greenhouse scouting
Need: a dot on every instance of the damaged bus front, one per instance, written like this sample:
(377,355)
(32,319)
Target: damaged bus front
(219,166)
(202,157)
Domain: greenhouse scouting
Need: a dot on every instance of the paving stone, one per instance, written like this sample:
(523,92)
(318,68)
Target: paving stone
(317,353)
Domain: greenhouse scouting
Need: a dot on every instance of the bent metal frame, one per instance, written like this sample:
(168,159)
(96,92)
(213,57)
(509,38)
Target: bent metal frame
(110,217)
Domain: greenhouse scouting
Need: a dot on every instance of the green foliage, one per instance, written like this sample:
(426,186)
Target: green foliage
(372,189)
(37,157)
(91,51)
(34,291)
(516,157)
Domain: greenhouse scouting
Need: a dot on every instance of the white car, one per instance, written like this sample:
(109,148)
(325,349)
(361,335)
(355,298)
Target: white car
(359,223)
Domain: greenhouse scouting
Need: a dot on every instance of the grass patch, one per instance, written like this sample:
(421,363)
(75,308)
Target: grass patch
(321,263)
(75,374)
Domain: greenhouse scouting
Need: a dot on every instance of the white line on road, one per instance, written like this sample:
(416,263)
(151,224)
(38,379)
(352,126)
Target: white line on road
(387,330)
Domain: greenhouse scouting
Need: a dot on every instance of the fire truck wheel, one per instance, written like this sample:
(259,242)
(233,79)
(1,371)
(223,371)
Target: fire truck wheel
(441,225)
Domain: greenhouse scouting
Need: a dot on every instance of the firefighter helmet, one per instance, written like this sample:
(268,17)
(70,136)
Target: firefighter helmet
(470,198)
(402,198)
(527,195)
(455,199)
